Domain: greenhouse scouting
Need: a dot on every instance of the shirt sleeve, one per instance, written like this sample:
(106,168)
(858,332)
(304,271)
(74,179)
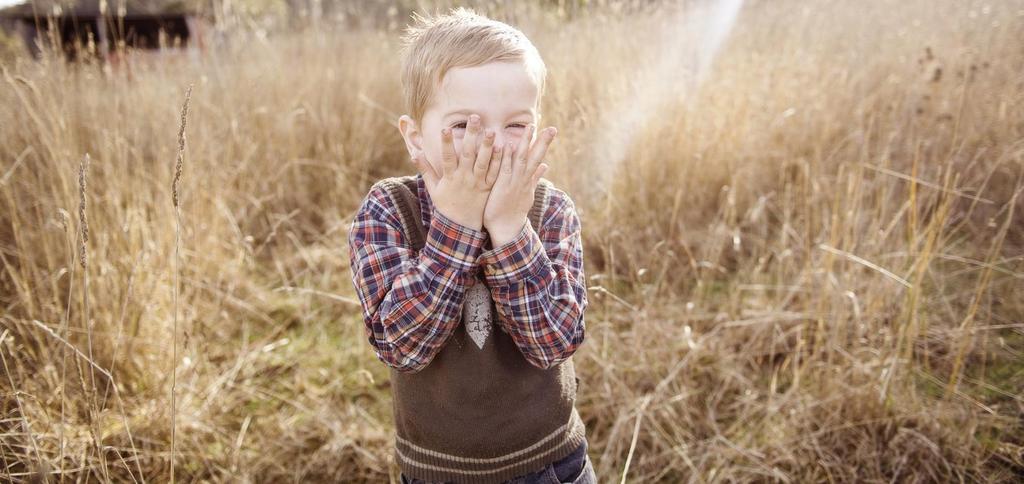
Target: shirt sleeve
(538,285)
(410,299)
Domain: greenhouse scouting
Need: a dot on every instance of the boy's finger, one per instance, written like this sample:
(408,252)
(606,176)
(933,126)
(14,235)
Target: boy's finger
(524,148)
(540,148)
(430,175)
(449,161)
(483,157)
(469,141)
(538,173)
(494,167)
(507,157)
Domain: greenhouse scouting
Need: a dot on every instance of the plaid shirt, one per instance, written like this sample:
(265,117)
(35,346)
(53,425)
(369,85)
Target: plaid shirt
(412,301)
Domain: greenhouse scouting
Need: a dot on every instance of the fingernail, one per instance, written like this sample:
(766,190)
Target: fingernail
(554,131)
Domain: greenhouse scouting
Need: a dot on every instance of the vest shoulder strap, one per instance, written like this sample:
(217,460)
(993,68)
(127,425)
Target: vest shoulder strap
(540,203)
(402,190)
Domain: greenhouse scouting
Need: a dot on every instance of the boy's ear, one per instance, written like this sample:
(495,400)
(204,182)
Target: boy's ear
(411,134)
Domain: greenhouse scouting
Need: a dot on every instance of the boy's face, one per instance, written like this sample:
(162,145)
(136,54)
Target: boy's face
(503,94)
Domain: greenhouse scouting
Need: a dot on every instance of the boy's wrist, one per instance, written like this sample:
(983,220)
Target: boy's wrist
(503,232)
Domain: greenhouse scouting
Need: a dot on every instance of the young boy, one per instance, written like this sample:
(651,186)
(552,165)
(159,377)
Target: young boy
(470,273)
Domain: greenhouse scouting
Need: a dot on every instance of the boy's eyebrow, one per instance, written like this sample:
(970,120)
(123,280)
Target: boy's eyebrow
(470,111)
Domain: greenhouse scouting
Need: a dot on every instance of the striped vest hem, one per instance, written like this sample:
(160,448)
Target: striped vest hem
(422,463)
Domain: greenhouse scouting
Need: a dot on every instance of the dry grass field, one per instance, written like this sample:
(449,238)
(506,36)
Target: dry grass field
(805,264)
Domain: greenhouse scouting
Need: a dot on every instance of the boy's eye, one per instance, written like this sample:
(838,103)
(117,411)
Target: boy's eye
(462,125)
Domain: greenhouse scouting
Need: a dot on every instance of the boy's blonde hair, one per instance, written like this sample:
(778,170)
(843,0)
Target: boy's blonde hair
(461,38)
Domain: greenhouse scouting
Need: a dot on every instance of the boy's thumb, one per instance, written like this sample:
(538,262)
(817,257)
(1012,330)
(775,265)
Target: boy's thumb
(424,168)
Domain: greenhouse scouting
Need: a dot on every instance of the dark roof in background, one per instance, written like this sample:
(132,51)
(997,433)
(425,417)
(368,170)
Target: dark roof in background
(91,8)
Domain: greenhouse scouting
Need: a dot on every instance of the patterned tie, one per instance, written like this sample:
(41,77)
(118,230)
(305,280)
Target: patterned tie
(476,312)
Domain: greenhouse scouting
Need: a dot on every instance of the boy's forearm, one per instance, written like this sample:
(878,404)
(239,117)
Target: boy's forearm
(408,322)
(540,292)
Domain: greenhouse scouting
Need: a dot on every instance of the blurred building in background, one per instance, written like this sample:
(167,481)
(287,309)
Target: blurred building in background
(107,27)
(102,27)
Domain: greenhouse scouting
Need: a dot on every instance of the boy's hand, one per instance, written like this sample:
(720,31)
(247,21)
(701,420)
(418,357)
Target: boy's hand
(512,195)
(460,190)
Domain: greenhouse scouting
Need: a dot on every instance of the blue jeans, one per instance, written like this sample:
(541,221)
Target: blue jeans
(575,468)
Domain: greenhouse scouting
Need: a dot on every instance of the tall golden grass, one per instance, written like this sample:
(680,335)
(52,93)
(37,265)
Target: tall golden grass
(809,269)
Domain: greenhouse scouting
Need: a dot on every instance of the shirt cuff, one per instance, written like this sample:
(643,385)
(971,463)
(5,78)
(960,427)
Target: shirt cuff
(515,260)
(453,244)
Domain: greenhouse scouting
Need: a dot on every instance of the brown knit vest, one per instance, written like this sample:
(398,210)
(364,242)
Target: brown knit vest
(480,415)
